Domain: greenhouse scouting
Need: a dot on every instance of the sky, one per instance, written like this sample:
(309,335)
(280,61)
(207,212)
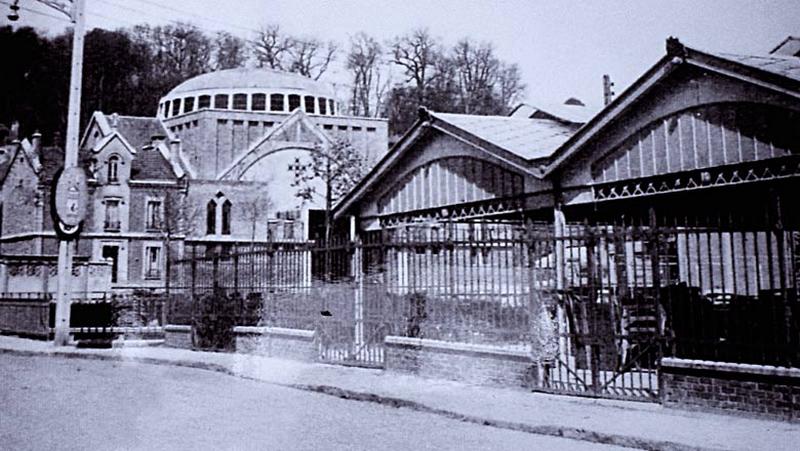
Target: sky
(563,48)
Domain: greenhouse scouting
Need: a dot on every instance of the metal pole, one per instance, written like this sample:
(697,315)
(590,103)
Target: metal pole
(66,249)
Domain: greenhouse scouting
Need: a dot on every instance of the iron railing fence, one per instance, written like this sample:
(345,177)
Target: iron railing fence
(709,290)
(33,313)
(619,295)
(461,283)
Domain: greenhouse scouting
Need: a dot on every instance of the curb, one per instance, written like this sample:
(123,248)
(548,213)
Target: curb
(549,430)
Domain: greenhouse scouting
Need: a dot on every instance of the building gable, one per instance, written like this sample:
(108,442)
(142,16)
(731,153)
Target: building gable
(21,197)
(682,79)
(434,170)
(449,181)
(298,132)
(97,129)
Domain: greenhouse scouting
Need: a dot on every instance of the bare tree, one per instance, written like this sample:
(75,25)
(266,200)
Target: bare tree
(339,167)
(271,47)
(477,69)
(416,53)
(383,81)
(229,51)
(310,57)
(509,87)
(255,210)
(182,49)
(362,61)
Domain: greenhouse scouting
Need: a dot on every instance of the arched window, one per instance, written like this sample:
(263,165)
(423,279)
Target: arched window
(226,217)
(113,169)
(294,102)
(309,104)
(276,102)
(211,217)
(203,102)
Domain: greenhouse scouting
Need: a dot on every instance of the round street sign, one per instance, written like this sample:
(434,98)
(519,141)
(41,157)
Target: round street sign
(71,196)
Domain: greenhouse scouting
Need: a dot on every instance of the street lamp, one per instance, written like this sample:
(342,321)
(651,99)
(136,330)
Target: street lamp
(66,247)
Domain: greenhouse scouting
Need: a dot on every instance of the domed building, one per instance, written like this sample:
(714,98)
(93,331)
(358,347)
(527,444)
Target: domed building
(229,147)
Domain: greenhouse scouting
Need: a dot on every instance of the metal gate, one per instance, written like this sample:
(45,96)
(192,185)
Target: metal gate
(602,291)
(625,295)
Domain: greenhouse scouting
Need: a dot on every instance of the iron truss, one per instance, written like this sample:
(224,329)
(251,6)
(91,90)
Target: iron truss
(754,171)
(473,210)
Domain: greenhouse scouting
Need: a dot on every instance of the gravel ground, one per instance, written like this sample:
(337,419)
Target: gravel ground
(56,403)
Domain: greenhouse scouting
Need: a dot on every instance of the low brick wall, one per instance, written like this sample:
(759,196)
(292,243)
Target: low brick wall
(294,344)
(475,364)
(768,391)
(178,336)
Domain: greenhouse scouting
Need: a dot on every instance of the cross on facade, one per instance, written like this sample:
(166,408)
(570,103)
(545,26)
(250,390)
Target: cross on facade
(297,167)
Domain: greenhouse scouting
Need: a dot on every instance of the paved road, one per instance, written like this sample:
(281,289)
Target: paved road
(55,403)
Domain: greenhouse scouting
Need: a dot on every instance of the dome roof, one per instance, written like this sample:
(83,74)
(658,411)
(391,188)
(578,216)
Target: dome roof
(267,79)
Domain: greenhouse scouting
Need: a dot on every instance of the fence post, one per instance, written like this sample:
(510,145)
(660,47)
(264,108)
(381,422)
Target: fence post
(192,298)
(236,271)
(559,225)
(655,263)
(358,288)
(788,341)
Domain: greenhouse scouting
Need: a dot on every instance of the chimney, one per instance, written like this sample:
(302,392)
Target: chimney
(114,120)
(13,133)
(36,142)
(174,149)
(155,140)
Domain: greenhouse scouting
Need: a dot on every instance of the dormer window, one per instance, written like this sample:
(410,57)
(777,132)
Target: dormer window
(113,169)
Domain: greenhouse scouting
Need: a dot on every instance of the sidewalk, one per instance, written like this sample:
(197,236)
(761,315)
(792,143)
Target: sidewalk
(623,423)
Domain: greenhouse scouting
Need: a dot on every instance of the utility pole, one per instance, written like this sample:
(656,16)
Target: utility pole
(66,247)
(608,89)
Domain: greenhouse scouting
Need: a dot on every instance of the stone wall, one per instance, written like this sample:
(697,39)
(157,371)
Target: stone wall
(294,344)
(476,364)
(39,274)
(178,336)
(768,391)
